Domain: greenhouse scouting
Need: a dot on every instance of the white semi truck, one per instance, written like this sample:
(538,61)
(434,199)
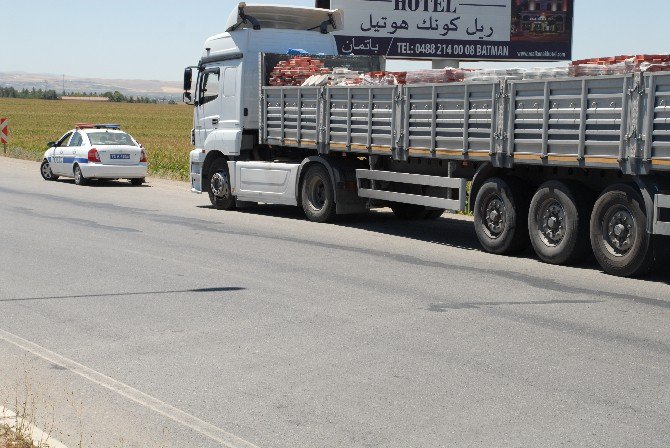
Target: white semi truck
(568,165)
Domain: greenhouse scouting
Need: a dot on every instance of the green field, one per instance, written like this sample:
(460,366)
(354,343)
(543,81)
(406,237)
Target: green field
(163,129)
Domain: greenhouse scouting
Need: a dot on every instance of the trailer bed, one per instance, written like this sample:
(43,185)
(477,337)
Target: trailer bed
(619,122)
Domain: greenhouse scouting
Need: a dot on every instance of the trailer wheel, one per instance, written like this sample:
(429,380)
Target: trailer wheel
(434,213)
(220,192)
(619,236)
(408,211)
(501,213)
(317,195)
(558,223)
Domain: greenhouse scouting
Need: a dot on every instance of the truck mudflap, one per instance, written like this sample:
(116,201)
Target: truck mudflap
(661,214)
(447,193)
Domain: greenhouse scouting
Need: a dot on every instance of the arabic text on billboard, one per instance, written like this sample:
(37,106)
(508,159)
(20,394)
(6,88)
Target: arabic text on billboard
(457,29)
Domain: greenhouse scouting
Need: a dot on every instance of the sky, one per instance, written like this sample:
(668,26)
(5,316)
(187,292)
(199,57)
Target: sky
(144,39)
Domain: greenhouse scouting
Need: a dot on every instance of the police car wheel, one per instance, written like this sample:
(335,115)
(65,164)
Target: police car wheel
(137,182)
(79,178)
(45,171)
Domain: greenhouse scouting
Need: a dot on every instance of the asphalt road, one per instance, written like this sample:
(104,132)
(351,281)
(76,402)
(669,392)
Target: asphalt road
(141,317)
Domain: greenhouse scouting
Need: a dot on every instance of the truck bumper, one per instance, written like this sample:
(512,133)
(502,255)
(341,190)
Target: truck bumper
(196,159)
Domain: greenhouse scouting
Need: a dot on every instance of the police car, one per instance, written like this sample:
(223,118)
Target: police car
(95,151)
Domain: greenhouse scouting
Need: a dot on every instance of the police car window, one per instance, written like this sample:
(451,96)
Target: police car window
(64,139)
(110,138)
(210,87)
(75,140)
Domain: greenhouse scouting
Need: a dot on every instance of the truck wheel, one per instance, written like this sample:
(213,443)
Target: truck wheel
(79,178)
(45,171)
(558,223)
(317,196)
(501,213)
(220,191)
(408,211)
(619,235)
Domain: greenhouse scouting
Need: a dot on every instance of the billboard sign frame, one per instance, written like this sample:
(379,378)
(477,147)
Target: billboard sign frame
(479,30)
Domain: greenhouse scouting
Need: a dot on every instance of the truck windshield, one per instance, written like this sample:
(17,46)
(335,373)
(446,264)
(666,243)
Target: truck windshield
(110,138)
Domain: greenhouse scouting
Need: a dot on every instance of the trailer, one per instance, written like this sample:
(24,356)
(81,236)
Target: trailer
(569,165)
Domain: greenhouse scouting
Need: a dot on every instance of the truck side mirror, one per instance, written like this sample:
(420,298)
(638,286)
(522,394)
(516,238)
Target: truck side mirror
(188,78)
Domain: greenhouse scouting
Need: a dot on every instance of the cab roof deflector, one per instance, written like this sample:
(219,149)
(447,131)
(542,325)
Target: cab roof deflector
(283,17)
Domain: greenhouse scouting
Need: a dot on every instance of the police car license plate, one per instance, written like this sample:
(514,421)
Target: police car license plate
(119,156)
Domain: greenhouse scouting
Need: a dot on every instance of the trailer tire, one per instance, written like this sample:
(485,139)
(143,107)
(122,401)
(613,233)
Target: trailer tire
(434,213)
(317,194)
(619,236)
(500,216)
(558,223)
(408,211)
(220,191)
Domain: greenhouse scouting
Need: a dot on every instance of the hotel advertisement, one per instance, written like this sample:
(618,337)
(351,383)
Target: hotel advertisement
(517,30)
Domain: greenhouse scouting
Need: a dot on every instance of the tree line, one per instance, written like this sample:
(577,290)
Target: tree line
(39,94)
(50,94)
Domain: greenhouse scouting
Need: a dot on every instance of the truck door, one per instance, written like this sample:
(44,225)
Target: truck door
(230,116)
(208,104)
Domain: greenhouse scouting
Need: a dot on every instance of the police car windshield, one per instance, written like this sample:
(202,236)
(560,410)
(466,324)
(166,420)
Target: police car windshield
(110,138)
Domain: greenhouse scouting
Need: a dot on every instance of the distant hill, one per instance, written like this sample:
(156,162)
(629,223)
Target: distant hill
(129,87)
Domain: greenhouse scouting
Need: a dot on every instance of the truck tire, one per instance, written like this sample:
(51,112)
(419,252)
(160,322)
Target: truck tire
(558,223)
(619,234)
(501,214)
(317,195)
(220,191)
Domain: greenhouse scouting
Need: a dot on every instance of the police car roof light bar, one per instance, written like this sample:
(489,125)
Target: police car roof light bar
(84,126)
(108,126)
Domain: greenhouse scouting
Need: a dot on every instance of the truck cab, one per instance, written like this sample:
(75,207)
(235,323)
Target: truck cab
(227,86)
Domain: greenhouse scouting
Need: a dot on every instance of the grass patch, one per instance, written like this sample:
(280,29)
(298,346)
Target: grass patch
(163,129)
(11,439)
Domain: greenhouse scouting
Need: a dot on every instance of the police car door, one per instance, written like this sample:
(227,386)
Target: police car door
(70,154)
(56,162)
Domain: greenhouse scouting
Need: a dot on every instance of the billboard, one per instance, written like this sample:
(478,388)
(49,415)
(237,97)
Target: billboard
(517,30)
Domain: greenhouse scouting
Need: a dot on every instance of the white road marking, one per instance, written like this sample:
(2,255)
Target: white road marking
(38,437)
(207,429)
